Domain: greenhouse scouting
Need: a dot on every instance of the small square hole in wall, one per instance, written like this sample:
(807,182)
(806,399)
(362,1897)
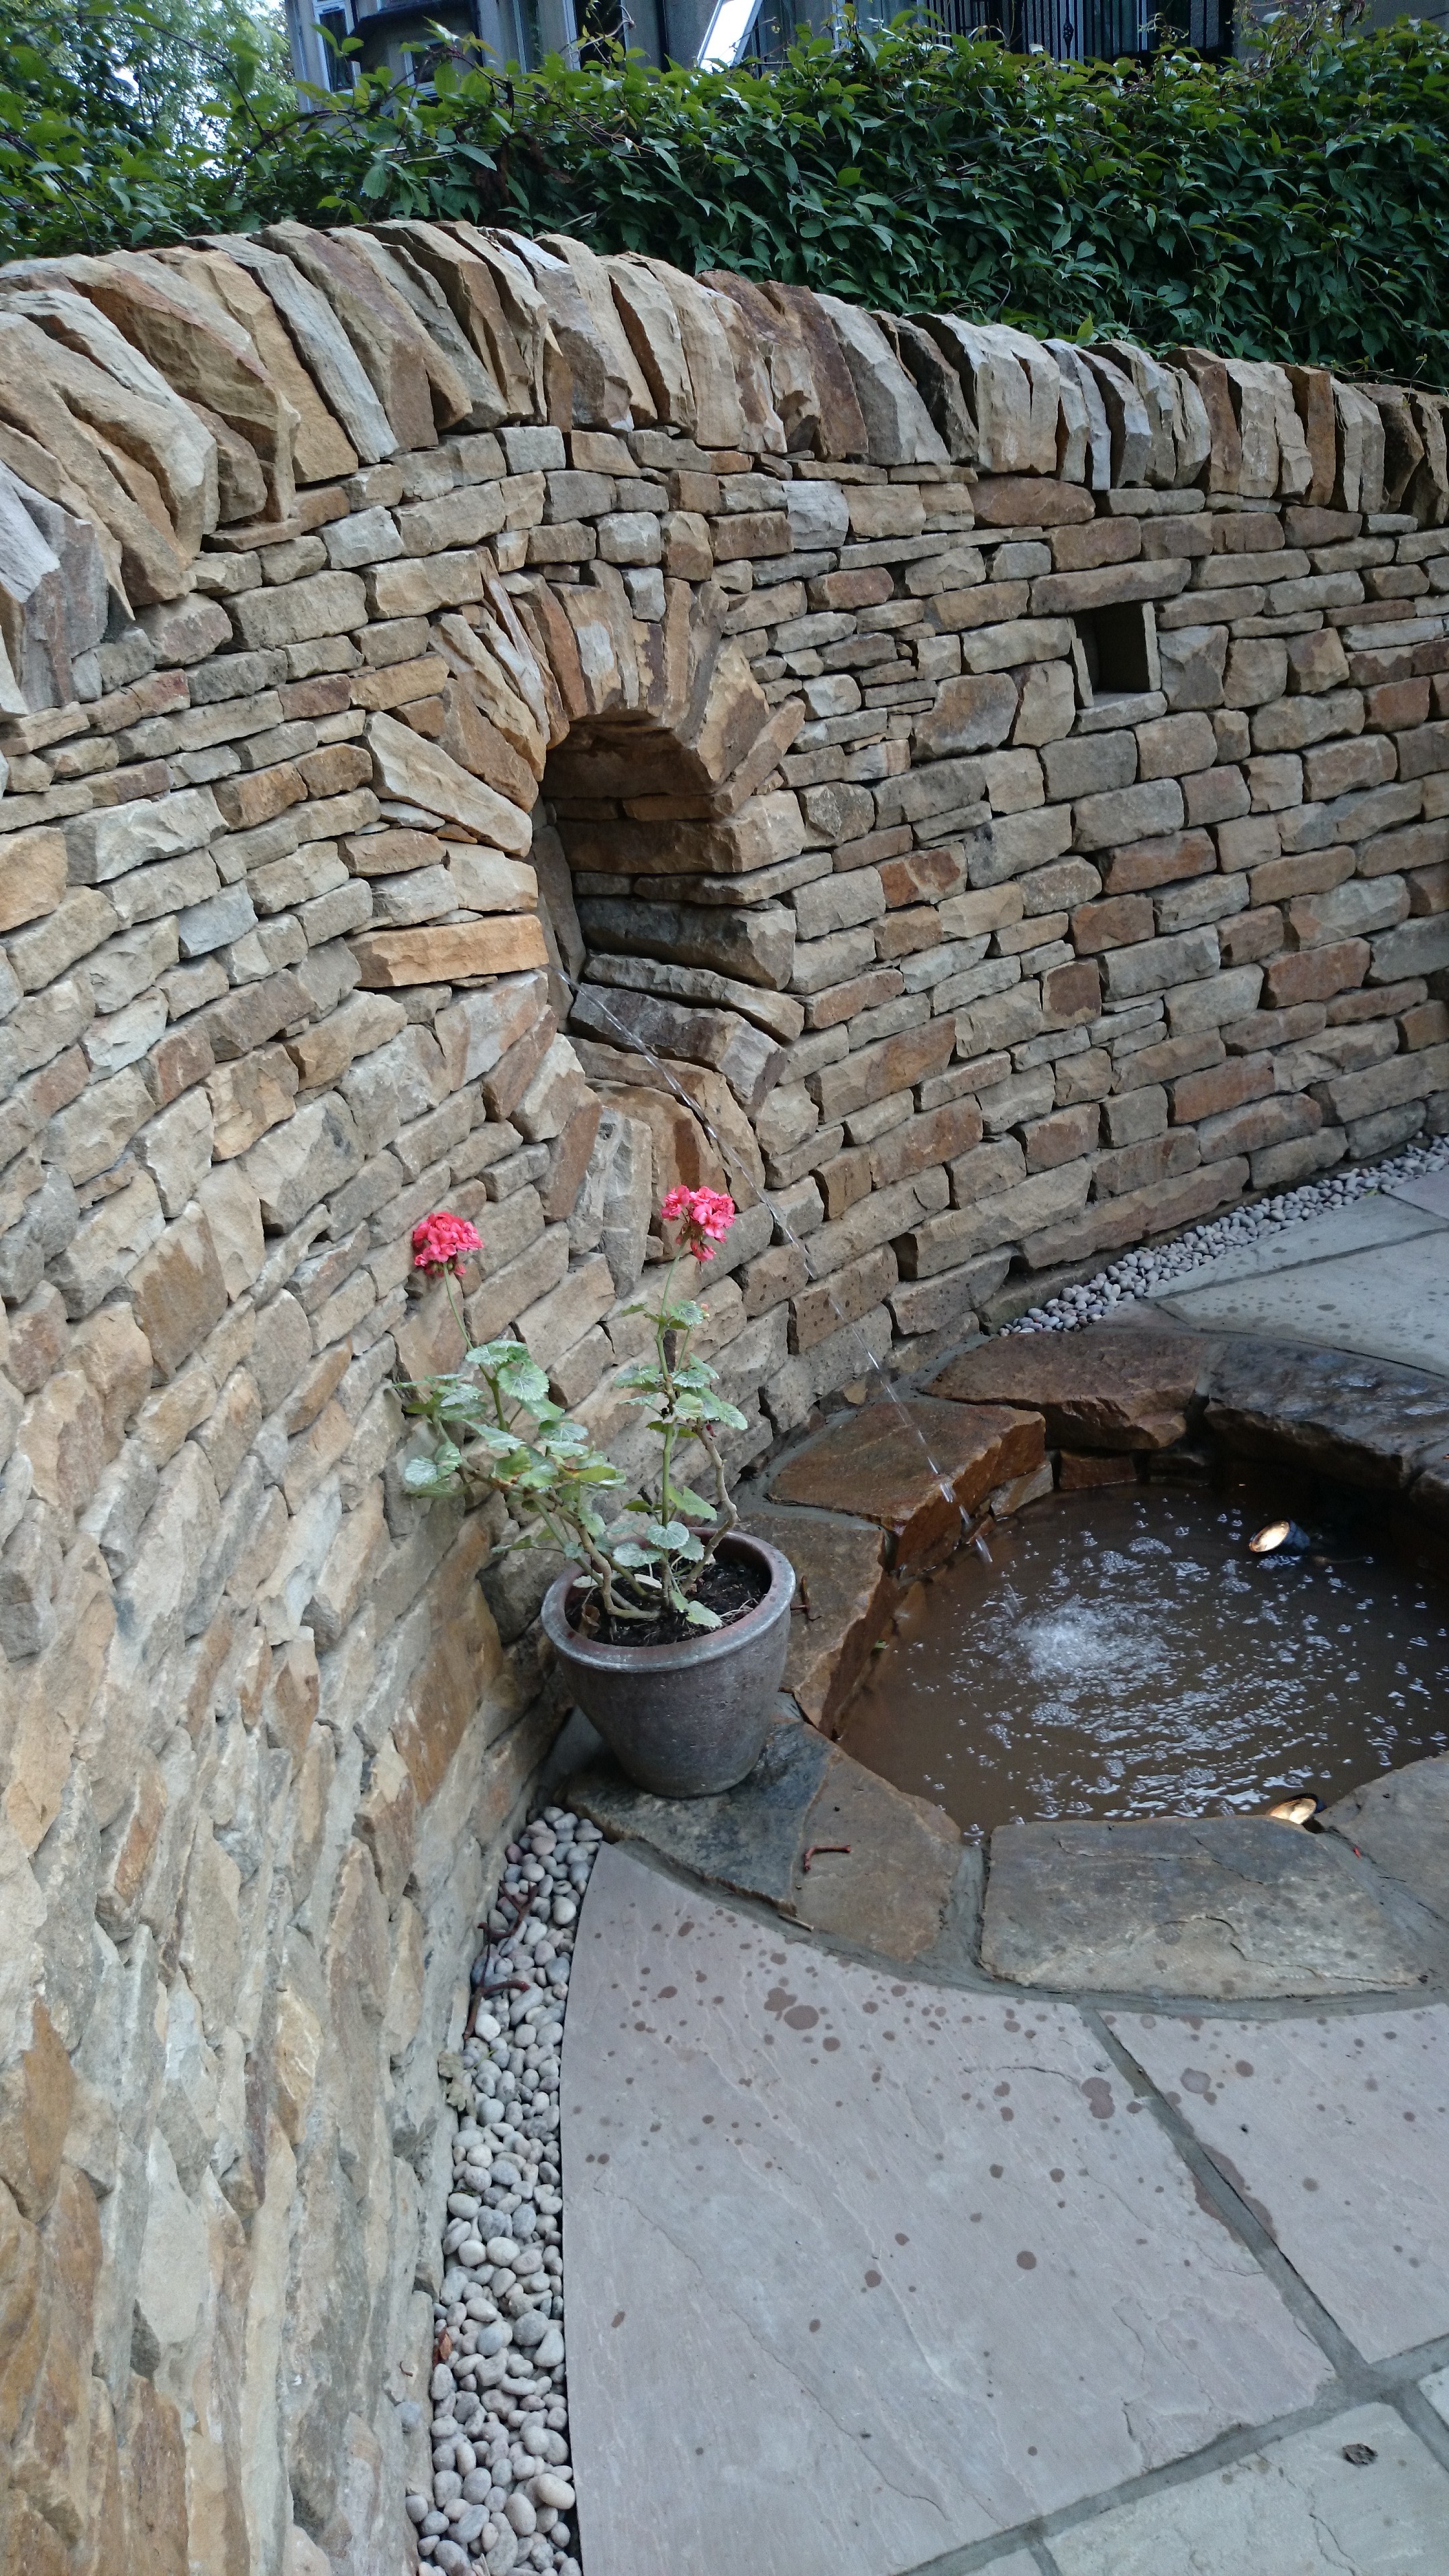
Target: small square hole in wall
(1119,648)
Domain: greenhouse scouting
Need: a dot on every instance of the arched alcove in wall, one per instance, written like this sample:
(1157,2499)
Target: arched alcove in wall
(658,838)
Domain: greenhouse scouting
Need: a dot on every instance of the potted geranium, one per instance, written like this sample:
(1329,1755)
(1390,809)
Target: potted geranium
(671,1622)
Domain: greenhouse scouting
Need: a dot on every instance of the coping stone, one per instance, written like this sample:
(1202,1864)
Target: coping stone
(843,1599)
(748,1838)
(1115,1388)
(1335,2131)
(1364,1420)
(1402,1821)
(888,1894)
(1218,1907)
(914,1466)
(1295,2508)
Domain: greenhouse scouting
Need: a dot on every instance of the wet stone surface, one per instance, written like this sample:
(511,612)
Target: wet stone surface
(1223,1907)
(1119,1389)
(1360,1419)
(898,1463)
(778,1836)
(1402,1822)
(1336,2133)
(843,1598)
(863,2270)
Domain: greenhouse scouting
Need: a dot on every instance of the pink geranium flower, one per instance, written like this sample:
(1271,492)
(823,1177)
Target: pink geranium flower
(704,1215)
(442,1243)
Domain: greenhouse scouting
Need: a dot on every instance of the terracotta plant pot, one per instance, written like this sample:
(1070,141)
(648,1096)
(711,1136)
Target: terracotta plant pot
(688,1719)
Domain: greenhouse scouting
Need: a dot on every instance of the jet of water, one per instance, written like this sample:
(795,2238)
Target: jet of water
(738,1173)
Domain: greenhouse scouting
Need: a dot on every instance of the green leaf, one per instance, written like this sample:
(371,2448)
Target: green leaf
(700,1617)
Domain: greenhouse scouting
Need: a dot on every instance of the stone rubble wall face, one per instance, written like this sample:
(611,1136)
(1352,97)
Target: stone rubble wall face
(1006,791)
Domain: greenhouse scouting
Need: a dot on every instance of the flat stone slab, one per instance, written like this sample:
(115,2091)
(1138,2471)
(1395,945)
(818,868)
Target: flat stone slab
(1298,2507)
(1362,1419)
(1224,1906)
(1390,1301)
(843,1600)
(888,1892)
(914,1467)
(1337,2133)
(1437,2392)
(1402,1821)
(748,1839)
(1366,1224)
(1430,1192)
(861,2270)
(890,1889)
(1115,1388)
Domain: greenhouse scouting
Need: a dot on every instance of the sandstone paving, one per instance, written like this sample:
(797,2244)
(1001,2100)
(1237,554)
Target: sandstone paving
(1359,2495)
(1215,1906)
(1370,1276)
(1401,1819)
(1394,1308)
(863,2271)
(1336,2131)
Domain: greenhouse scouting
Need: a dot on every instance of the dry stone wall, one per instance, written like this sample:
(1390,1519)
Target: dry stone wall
(490,726)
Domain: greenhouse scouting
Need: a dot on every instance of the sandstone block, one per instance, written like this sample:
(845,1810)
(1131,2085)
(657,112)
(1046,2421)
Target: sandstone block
(295,1167)
(449,953)
(1118,1390)
(179,1291)
(873,1464)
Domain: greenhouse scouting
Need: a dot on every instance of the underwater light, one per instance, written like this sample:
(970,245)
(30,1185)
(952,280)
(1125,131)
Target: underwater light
(1279,1538)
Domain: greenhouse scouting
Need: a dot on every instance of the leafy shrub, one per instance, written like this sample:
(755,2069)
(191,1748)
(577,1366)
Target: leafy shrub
(1296,205)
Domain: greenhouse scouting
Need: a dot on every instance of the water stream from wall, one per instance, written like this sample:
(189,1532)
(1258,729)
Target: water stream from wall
(1127,1656)
(888,1389)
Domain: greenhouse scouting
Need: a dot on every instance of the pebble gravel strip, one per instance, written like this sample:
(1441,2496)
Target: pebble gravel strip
(502,2490)
(1140,1271)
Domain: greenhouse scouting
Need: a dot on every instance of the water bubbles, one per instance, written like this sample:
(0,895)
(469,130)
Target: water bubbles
(1126,1658)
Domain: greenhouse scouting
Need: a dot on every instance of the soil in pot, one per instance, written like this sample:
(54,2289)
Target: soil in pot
(729,1590)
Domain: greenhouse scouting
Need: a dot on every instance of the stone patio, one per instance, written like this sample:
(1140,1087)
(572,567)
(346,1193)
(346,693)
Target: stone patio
(1075,2207)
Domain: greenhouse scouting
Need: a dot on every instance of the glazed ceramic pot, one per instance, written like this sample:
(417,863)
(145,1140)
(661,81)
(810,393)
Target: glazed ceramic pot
(691,1718)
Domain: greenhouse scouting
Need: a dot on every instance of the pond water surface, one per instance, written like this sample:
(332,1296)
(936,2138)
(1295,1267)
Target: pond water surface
(1124,1655)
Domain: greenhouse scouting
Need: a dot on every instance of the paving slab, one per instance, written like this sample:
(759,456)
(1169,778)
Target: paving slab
(1337,2131)
(1359,1226)
(913,1466)
(1436,2390)
(863,2270)
(1116,1388)
(1220,1907)
(1430,1192)
(1390,1300)
(1402,1821)
(1299,2507)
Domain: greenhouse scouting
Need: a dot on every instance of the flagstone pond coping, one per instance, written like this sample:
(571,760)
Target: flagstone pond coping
(1221,1909)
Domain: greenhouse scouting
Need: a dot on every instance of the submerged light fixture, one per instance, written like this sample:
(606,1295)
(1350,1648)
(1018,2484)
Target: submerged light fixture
(1279,1538)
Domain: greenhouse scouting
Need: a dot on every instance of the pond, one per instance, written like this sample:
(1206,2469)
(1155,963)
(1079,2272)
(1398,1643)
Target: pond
(1124,1654)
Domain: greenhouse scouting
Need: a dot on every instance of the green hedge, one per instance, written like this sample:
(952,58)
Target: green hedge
(1298,206)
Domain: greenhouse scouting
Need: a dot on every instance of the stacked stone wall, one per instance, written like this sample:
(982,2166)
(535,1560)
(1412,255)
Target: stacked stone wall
(491,727)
